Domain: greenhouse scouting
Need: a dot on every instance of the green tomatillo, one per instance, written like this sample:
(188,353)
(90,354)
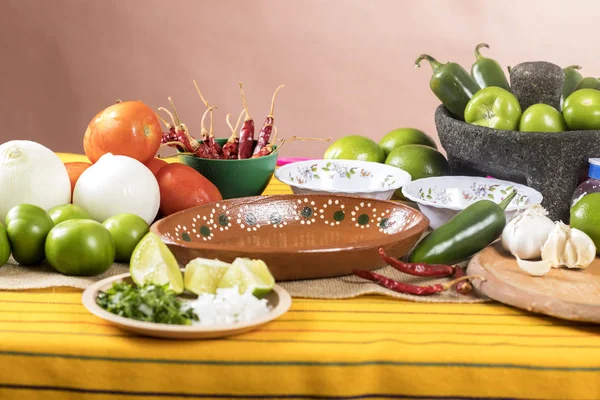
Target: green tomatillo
(582,109)
(27,226)
(494,107)
(4,245)
(542,118)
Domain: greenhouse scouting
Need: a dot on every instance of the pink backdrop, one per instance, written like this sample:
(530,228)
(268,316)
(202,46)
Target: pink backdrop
(347,64)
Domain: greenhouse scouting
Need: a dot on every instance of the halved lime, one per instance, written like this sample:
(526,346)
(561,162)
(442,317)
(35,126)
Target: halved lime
(153,262)
(203,275)
(249,274)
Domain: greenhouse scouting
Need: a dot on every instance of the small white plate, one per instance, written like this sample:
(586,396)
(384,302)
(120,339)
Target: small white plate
(344,177)
(279,300)
(441,198)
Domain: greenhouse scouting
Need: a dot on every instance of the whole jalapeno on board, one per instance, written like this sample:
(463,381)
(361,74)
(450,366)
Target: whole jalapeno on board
(451,84)
(486,71)
(572,79)
(466,234)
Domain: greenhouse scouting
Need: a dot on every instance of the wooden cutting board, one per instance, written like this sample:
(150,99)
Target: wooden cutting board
(571,294)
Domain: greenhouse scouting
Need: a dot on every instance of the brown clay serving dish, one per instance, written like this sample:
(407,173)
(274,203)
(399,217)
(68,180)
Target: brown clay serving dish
(299,237)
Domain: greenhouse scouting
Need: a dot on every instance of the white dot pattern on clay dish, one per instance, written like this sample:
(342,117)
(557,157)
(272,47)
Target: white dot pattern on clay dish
(331,212)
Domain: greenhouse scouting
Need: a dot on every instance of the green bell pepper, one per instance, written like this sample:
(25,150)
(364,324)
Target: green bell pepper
(451,84)
(588,83)
(487,72)
(466,234)
(494,107)
(582,109)
(572,79)
(27,226)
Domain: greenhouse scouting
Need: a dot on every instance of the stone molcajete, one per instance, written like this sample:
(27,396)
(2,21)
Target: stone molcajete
(552,163)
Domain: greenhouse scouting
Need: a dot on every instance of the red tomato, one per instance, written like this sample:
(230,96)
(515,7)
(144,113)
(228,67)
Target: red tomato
(155,165)
(75,169)
(129,128)
(182,187)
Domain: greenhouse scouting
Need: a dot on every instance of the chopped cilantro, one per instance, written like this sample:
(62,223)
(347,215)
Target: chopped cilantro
(150,303)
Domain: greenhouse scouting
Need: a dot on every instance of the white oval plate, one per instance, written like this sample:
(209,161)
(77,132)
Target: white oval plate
(279,300)
(349,177)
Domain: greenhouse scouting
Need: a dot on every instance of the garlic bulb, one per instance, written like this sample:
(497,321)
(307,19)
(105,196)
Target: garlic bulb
(527,232)
(568,247)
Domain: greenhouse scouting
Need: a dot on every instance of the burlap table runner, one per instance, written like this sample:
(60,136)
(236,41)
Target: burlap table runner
(15,277)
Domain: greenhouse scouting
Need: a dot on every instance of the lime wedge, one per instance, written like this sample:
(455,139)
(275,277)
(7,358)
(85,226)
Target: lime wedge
(153,262)
(248,274)
(203,275)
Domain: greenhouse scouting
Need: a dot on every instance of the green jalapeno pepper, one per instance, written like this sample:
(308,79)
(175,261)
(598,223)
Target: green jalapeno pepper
(588,83)
(467,233)
(572,79)
(451,84)
(487,72)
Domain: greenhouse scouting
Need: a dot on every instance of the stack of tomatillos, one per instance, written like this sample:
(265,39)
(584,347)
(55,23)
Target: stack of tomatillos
(484,97)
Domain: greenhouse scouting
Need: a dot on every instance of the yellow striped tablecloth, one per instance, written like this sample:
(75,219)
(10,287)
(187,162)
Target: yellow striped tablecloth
(365,348)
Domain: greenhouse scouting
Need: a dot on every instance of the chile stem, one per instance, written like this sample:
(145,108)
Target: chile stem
(504,203)
(435,64)
(248,117)
(273,100)
(202,126)
(478,55)
(164,121)
(177,120)
(293,138)
(448,285)
(574,67)
(200,94)
(234,130)
(169,114)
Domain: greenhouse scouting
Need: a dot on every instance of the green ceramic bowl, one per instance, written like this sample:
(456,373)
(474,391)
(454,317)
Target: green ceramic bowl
(235,178)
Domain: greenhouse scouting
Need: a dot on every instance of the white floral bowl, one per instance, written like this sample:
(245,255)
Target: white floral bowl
(441,198)
(347,177)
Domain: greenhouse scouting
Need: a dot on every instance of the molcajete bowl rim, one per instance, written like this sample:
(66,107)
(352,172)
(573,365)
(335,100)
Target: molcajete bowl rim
(441,111)
(403,177)
(222,141)
(421,224)
(535,196)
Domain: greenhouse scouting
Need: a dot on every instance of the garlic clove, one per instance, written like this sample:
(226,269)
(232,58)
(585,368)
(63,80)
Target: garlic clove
(534,268)
(569,257)
(586,249)
(553,246)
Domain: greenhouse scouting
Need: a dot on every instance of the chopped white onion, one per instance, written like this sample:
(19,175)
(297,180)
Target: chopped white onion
(117,184)
(228,306)
(31,173)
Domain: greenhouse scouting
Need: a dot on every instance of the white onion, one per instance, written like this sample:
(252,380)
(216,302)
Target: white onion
(31,174)
(115,185)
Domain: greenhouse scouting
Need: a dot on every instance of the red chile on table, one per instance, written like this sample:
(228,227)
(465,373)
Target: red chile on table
(406,288)
(463,287)
(265,133)
(417,269)
(247,132)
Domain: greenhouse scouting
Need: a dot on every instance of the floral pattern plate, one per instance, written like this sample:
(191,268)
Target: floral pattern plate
(440,198)
(299,237)
(350,177)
